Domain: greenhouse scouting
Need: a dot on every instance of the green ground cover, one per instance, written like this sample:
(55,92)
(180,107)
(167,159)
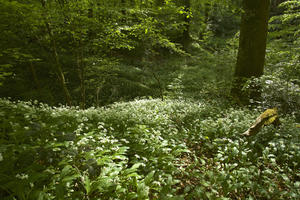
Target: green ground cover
(145,149)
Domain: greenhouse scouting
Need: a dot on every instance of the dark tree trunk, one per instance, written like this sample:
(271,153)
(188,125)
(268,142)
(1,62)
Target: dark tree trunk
(206,11)
(186,40)
(161,91)
(34,77)
(123,5)
(252,47)
(57,67)
(81,75)
(61,76)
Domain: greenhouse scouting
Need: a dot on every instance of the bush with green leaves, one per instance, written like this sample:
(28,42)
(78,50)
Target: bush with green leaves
(277,92)
(145,149)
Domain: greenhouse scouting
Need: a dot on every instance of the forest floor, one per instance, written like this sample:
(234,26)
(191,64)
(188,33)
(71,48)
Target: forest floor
(145,149)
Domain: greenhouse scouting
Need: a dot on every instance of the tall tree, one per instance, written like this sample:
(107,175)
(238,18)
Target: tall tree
(58,66)
(186,32)
(252,47)
(184,7)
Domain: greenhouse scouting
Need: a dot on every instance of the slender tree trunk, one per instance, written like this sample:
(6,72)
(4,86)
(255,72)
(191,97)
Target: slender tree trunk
(34,76)
(81,75)
(61,75)
(186,40)
(97,96)
(161,91)
(58,67)
(252,47)
(83,96)
(206,11)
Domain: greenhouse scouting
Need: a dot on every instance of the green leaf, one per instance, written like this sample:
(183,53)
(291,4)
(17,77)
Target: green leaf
(66,170)
(70,178)
(148,179)
(86,183)
(133,168)
(143,191)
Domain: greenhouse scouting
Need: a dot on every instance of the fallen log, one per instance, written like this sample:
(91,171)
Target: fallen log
(270,116)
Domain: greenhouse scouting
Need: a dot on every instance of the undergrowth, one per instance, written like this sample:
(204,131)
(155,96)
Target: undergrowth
(145,149)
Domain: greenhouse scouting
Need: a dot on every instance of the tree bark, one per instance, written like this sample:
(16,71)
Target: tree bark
(58,67)
(187,20)
(270,116)
(34,76)
(59,71)
(81,75)
(185,39)
(252,47)
(159,85)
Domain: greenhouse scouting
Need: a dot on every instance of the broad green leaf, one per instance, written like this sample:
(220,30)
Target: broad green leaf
(149,178)
(87,183)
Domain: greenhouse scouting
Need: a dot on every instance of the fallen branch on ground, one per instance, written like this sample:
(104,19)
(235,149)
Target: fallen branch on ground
(270,116)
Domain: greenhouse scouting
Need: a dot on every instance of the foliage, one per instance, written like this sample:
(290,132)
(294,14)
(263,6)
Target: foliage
(144,149)
(286,25)
(189,146)
(63,45)
(276,92)
(280,84)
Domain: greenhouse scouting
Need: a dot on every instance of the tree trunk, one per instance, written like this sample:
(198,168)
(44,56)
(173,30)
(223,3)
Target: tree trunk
(81,75)
(34,76)
(58,67)
(186,40)
(97,96)
(206,10)
(186,33)
(252,47)
(161,92)
(61,76)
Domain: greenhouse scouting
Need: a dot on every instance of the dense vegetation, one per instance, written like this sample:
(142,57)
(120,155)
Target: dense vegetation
(145,149)
(125,99)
